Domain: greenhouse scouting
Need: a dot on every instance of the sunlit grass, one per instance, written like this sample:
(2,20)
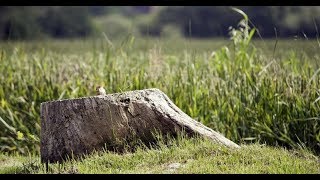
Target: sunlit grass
(186,156)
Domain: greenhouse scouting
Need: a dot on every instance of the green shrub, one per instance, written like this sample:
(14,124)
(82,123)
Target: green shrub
(115,26)
(171,31)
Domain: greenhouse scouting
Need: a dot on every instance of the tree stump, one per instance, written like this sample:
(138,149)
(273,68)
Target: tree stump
(75,127)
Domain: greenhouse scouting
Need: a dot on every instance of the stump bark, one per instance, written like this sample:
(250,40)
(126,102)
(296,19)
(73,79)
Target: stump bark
(74,127)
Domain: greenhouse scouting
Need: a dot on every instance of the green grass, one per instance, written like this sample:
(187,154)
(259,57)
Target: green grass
(250,91)
(193,155)
(243,94)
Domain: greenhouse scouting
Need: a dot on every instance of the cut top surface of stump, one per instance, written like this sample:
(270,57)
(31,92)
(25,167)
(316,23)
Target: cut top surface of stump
(81,125)
(115,97)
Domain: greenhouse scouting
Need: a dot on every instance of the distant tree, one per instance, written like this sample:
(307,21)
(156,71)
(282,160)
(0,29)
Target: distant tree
(18,23)
(98,10)
(66,22)
(199,21)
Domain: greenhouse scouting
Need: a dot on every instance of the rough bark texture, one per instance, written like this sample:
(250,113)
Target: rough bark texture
(78,126)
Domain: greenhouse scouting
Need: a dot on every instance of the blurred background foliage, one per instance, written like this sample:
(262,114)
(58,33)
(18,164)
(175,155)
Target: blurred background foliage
(37,22)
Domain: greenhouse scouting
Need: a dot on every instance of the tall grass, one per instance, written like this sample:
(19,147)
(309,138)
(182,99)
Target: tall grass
(238,89)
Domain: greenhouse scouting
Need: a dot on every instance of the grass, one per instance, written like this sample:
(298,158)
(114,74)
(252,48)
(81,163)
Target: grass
(245,95)
(184,156)
(251,91)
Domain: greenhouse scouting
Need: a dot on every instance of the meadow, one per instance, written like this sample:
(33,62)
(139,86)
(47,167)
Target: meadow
(251,91)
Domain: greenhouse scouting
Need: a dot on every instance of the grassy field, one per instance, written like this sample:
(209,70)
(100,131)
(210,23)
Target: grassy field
(252,91)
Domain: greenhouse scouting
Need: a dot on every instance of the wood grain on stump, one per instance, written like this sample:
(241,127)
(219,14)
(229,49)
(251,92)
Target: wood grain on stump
(75,127)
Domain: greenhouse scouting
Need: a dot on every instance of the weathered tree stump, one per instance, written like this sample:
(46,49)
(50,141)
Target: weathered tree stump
(76,127)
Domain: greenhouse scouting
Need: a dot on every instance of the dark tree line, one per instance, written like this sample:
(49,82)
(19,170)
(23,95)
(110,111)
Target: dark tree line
(191,21)
(35,22)
(211,21)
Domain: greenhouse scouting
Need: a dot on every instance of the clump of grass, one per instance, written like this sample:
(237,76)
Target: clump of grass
(181,155)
